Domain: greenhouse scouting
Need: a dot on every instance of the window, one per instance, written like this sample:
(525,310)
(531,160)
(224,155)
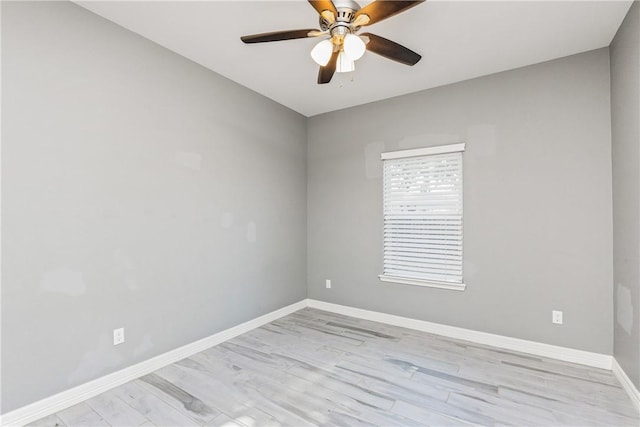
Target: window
(422,192)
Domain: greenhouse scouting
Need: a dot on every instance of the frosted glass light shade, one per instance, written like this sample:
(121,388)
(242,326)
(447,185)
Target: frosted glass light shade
(354,47)
(344,64)
(321,53)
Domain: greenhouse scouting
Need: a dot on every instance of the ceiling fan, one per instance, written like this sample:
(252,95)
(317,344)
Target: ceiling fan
(340,20)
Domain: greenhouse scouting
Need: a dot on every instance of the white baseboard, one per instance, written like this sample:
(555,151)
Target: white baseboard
(628,386)
(65,399)
(515,344)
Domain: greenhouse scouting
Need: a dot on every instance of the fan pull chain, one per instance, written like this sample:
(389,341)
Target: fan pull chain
(351,78)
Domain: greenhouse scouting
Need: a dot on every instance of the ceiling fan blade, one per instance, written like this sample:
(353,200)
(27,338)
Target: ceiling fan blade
(281,35)
(326,73)
(325,5)
(391,50)
(382,9)
(317,33)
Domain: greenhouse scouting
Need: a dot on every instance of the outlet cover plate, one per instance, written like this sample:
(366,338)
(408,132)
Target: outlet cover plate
(118,336)
(556,317)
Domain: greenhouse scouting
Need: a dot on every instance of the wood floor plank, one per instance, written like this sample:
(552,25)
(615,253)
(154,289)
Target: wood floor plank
(424,416)
(224,420)
(231,398)
(572,409)
(115,411)
(319,368)
(149,405)
(178,398)
(52,420)
(81,415)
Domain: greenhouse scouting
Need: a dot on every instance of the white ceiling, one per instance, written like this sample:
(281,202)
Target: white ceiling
(458,40)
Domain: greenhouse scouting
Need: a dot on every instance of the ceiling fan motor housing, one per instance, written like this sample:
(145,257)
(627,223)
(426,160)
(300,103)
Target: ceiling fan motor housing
(342,24)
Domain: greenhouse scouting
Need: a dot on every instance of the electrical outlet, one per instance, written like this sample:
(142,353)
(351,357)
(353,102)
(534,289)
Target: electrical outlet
(556,317)
(328,283)
(118,336)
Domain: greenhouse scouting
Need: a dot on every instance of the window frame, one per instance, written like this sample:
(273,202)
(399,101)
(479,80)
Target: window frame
(421,152)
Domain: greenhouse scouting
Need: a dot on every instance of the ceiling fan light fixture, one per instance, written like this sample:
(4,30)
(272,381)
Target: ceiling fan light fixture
(344,64)
(321,53)
(354,47)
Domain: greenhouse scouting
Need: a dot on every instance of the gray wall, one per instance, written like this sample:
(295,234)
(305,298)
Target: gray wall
(538,214)
(625,135)
(139,190)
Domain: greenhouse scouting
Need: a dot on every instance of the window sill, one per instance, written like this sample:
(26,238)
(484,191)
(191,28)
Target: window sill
(429,284)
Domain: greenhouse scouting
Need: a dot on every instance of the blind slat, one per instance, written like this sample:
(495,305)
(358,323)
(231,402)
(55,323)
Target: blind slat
(423,251)
(417,275)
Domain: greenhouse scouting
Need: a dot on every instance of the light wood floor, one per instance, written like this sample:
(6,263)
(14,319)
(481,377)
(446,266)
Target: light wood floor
(319,368)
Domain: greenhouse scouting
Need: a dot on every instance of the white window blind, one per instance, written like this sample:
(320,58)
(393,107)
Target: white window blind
(423,216)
